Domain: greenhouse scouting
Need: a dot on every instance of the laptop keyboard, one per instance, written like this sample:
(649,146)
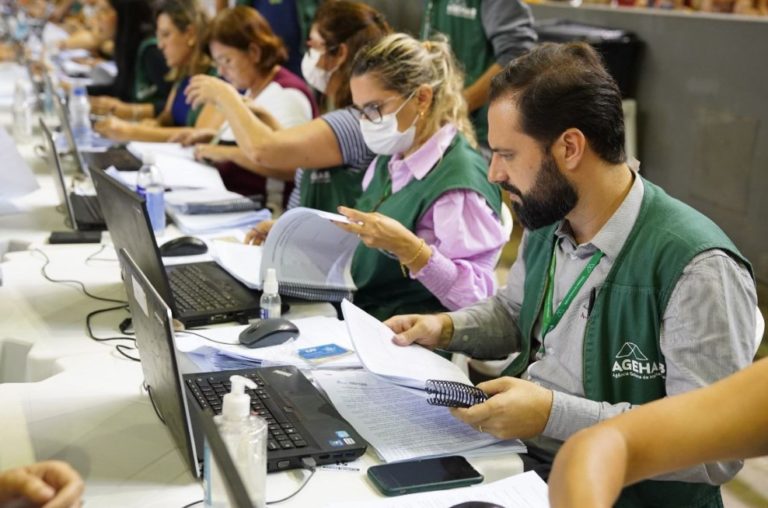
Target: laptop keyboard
(193,291)
(209,392)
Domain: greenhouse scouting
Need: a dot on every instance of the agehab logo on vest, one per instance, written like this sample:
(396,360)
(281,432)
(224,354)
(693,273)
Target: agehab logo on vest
(630,361)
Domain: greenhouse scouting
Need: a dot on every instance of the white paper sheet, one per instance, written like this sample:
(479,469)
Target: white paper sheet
(525,490)
(178,174)
(398,422)
(408,366)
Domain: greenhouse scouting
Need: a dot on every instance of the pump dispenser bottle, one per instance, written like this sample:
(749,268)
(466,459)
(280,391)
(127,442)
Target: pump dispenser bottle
(246,438)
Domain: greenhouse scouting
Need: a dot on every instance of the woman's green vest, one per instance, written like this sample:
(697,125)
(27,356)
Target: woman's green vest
(382,289)
(622,357)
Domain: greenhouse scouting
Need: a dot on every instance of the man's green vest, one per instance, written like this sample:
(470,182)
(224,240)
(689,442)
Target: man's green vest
(382,289)
(621,353)
(143,89)
(326,189)
(460,21)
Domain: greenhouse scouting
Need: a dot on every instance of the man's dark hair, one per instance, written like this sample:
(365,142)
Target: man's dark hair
(562,86)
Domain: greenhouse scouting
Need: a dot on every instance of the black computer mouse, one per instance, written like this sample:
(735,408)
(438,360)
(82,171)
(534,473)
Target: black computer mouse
(183,246)
(268,332)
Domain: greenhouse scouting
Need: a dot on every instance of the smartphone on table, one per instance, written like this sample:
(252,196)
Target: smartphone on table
(422,475)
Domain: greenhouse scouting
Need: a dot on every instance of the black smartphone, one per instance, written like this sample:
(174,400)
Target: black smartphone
(75,237)
(422,475)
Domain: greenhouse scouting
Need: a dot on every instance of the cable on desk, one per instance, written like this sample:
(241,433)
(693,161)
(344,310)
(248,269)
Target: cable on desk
(85,291)
(148,389)
(206,338)
(122,348)
(311,466)
(93,257)
(193,503)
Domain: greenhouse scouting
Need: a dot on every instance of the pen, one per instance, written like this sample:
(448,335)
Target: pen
(591,304)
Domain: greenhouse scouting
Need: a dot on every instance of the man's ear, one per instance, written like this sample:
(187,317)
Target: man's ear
(568,150)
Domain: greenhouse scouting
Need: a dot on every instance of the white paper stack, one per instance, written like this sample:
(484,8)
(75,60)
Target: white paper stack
(210,223)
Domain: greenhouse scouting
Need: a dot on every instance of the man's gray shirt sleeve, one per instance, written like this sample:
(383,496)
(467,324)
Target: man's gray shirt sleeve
(508,25)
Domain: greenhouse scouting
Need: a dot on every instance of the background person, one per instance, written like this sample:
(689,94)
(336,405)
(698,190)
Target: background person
(180,28)
(330,149)
(140,89)
(485,36)
(250,56)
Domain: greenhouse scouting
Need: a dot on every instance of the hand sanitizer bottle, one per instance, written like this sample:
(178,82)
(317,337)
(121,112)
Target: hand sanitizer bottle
(245,436)
(270,298)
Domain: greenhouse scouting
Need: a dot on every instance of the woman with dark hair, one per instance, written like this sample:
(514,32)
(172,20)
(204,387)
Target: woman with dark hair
(140,88)
(250,56)
(180,28)
(331,148)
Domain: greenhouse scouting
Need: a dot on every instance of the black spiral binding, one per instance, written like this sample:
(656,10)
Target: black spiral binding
(453,394)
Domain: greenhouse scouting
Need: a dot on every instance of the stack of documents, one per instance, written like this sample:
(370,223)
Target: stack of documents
(209,223)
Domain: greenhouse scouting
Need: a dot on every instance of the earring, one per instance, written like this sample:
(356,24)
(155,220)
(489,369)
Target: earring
(191,43)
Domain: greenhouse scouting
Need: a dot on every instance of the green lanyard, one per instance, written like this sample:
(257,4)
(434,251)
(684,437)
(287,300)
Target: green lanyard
(549,320)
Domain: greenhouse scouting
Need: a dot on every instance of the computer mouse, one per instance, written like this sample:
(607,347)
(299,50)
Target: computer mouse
(183,246)
(268,332)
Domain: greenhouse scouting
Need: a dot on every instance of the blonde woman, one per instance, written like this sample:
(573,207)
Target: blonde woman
(180,28)
(428,218)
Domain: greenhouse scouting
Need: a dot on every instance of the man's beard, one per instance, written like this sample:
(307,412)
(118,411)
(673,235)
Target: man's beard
(550,199)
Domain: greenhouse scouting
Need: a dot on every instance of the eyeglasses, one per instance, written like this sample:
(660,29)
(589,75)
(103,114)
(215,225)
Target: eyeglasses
(372,112)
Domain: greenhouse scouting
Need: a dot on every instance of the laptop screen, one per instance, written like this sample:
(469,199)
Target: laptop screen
(58,174)
(66,128)
(154,338)
(128,222)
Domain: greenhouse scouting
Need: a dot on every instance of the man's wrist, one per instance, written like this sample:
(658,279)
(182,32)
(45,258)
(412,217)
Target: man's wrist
(446,331)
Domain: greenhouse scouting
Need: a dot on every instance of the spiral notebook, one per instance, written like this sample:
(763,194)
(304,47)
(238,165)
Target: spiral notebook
(311,255)
(413,366)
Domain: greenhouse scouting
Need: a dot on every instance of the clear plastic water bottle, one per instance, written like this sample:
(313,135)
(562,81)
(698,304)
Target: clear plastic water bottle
(270,303)
(22,109)
(149,185)
(80,116)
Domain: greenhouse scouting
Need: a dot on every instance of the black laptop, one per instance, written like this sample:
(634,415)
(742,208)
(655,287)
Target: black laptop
(301,422)
(198,293)
(83,211)
(118,156)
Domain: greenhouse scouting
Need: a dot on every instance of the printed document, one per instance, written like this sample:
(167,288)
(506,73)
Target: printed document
(398,422)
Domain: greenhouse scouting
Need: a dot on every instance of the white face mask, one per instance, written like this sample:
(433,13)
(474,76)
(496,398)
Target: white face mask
(316,77)
(384,138)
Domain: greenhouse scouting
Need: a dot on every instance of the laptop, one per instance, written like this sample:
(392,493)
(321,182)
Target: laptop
(83,211)
(115,155)
(198,293)
(301,422)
